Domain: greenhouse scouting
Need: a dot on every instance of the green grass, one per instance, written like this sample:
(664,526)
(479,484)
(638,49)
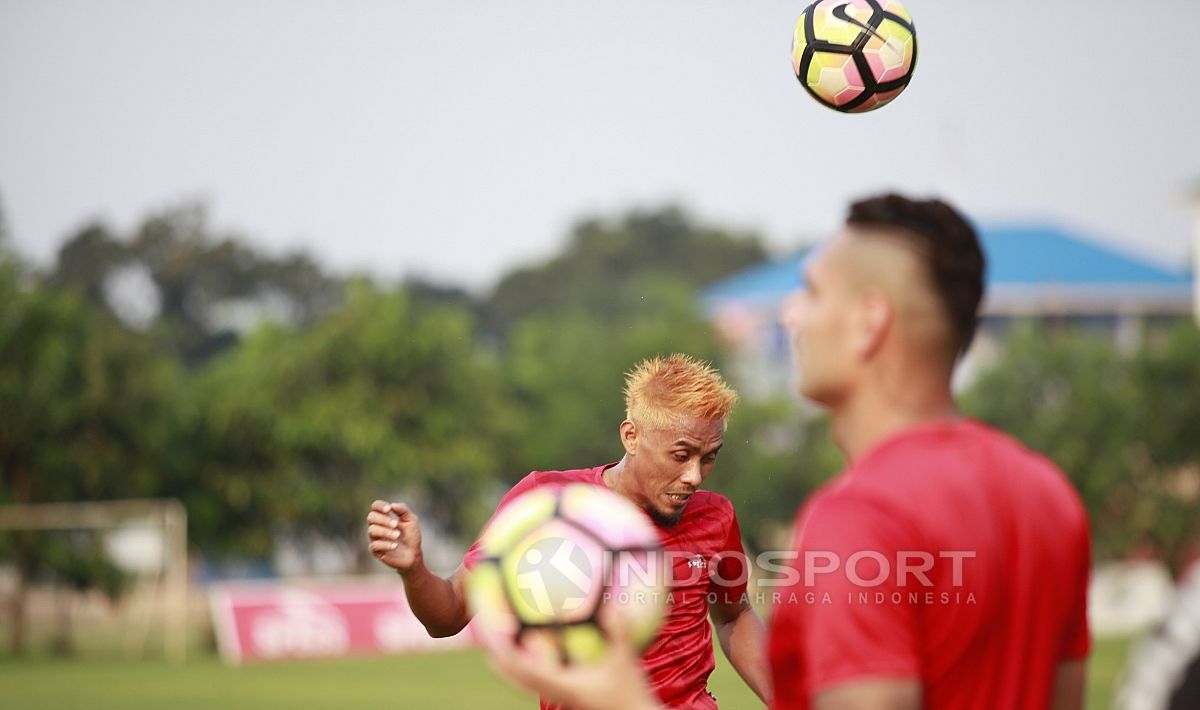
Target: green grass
(435,682)
(440,681)
(1104,671)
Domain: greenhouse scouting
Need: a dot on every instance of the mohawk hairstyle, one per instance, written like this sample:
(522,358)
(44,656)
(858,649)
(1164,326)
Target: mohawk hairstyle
(660,389)
(949,247)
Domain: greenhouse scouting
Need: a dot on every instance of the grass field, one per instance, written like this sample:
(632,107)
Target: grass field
(449,681)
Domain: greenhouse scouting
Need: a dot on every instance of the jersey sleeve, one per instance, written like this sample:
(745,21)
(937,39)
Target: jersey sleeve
(728,577)
(845,612)
(474,553)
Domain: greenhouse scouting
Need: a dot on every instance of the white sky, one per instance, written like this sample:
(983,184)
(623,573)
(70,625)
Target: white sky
(456,139)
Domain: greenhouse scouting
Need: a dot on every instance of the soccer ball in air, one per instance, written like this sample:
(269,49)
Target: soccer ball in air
(854,55)
(553,557)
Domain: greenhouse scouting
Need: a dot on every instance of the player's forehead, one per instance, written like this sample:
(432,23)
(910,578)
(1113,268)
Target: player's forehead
(824,260)
(684,430)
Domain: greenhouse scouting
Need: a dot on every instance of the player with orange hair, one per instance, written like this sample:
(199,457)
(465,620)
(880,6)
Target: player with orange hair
(676,410)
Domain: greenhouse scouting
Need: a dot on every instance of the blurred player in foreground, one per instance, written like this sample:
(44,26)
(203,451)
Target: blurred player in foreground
(947,566)
(677,409)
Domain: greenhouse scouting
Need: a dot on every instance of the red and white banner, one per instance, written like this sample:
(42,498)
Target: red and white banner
(275,621)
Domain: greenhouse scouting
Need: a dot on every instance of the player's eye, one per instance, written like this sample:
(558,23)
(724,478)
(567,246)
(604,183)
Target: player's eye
(710,458)
(680,456)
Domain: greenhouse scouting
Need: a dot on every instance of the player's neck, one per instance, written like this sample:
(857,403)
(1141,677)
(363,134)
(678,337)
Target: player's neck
(614,477)
(869,417)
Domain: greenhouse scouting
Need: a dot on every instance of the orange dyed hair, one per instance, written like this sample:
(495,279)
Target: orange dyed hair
(660,389)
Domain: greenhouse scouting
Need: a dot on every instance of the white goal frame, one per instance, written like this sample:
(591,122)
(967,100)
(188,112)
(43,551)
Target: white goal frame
(167,514)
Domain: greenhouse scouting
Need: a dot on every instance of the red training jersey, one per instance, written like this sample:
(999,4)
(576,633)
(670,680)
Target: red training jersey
(950,554)
(708,564)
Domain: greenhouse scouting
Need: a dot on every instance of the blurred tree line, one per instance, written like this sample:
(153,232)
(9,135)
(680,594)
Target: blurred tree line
(277,400)
(1125,427)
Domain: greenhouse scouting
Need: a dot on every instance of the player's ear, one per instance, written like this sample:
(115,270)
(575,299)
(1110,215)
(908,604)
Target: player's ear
(629,436)
(875,318)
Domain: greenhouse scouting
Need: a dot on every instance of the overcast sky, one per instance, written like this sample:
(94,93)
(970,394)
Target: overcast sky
(456,139)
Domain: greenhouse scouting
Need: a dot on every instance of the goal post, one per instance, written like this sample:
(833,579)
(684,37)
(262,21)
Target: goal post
(167,514)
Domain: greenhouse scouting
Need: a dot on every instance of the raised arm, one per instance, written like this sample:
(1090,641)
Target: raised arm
(439,603)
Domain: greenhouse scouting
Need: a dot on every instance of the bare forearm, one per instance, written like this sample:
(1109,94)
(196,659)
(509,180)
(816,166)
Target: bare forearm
(743,641)
(438,603)
(1069,684)
(876,694)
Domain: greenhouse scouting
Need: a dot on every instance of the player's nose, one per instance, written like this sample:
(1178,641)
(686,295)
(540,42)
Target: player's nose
(691,475)
(792,310)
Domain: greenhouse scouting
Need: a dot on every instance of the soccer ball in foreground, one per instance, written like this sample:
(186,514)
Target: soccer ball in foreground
(854,55)
(553,557)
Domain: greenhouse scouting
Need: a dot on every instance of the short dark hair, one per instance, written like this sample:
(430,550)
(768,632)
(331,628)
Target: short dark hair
(949,246)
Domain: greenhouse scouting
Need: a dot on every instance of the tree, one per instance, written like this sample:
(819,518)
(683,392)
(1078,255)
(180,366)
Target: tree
(207,289)
(609,266)
(301,428)
(1121,427)
(1167,455)
(86,261)
(86,412)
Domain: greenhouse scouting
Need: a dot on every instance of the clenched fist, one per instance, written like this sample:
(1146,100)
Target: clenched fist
(395,535)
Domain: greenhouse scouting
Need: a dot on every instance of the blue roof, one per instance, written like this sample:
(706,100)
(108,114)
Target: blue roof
(1034,254)
(767,280)
(1029,256)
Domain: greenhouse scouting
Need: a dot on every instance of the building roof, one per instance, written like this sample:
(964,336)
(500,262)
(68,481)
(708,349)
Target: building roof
(1032,268)
(765,284)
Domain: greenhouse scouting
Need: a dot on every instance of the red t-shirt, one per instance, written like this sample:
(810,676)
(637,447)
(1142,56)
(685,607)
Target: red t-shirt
(987,552)
(679,661)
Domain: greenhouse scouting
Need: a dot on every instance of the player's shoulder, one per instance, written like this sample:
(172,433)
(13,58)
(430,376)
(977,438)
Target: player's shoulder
(837,496)
(848,505)
(553,479)
(537,479)
(945,448)
(1027,467)
(1015,448)
(568,475)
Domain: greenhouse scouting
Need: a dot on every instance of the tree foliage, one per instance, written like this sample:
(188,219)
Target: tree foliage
(205,289)
(277,400)
(1122,427)
(86,403)
(86,414)
(300,429)
(610,267)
